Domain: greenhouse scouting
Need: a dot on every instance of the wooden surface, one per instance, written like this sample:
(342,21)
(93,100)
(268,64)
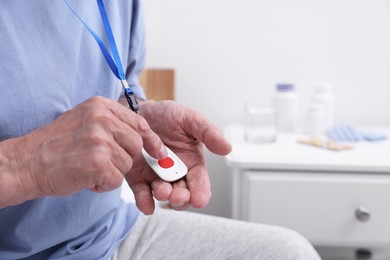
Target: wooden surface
(159,84)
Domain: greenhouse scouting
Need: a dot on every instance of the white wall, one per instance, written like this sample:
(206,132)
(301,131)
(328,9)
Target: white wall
(226,52)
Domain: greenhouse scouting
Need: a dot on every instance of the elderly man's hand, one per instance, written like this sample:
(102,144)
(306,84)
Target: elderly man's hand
(184,131)
(91,146)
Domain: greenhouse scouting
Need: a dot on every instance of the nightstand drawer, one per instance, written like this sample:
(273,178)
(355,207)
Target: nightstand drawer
(321,206)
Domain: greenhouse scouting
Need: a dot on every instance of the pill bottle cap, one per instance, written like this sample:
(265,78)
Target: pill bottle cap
(285,87)
(323,88)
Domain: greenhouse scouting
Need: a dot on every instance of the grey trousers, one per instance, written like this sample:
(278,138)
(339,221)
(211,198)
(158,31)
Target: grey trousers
(169,234)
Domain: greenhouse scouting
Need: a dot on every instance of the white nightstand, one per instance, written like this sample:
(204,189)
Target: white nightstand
(335,199)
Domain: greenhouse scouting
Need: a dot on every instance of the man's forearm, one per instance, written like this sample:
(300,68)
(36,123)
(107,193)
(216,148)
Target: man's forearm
(16,185)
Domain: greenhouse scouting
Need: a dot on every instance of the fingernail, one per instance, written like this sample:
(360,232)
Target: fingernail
(163,152)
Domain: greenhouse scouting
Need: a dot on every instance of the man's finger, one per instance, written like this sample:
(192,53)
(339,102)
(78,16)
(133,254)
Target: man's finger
(143,197)
(204,131)
(199,186)
(151,141)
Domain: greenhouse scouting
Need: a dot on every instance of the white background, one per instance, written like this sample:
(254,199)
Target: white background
(227,52)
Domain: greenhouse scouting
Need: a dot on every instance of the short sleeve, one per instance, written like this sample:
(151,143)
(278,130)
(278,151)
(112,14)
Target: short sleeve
(137,51)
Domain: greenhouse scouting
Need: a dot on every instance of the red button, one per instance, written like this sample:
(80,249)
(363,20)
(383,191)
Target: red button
(166,163)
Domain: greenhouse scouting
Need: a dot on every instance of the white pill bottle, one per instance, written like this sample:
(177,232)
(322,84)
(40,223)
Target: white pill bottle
(286,107)
(315,120)
(323,96)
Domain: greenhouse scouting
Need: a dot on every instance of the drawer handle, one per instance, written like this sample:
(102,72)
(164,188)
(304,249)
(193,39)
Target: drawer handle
(362,214)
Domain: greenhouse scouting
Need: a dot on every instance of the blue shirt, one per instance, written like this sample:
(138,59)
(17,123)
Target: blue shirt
(48,64)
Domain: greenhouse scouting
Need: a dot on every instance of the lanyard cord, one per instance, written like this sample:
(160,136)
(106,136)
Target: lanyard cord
(114,63)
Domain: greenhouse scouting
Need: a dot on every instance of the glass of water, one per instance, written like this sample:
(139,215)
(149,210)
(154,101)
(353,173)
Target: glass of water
(259,124)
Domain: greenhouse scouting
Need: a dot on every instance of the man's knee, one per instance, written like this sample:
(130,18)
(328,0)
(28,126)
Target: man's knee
(295,247)
(266,242)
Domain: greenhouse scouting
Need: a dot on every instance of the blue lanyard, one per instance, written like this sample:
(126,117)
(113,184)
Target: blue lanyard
(113,62)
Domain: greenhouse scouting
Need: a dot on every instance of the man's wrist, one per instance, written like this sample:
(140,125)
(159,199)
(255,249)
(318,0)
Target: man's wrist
(16,185)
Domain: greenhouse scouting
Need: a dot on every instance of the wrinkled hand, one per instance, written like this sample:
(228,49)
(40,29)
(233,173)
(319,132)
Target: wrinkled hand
(184,131)
(91,146)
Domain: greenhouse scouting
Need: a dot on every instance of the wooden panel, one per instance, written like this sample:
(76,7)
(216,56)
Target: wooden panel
(159,84)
